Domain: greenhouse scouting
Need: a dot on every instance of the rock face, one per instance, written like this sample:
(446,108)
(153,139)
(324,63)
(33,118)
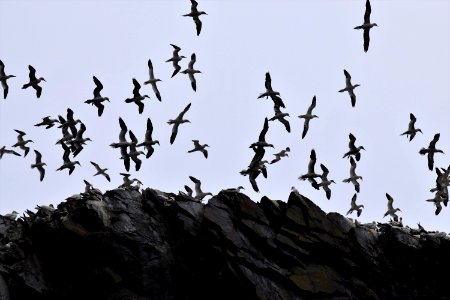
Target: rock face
(125,244)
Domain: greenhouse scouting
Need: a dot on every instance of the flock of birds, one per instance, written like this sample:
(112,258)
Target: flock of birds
(73,140)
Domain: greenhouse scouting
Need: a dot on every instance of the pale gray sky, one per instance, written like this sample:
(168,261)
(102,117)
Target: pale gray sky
(304,44)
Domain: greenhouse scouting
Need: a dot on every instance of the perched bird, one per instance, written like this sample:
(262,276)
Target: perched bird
(275,96)
(76,144)
(234,190)
(262,137)
(438,198)
(311,174)
(353,177)
(353,150)
(296,192)
(366,26)
(355,207)
(195,16)
(46,121)
(100,171)
(280,116)
(91,190)
(127,182)
(280,154)
(175,59)
(137,98)
(325,184)
(411,132)
(3,150)
(349,87)
(4,78)
(133,154)
(199,194)
(39,164)
(21,143)
(148,142)
(188,190)
(12,216)
(152,80)
(68,164)
(191,71)
(199,147)
(34,82)
(70,122)
(98,99)
(176,122)
(391,210)
(431,150)
(308,116)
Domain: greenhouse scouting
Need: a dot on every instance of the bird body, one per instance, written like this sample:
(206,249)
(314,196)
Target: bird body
(325,184)
(274,95)
(46,121)
(68,164)
(280,116)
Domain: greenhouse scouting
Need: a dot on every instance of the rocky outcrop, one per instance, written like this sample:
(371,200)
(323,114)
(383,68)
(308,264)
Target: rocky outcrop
(127,244)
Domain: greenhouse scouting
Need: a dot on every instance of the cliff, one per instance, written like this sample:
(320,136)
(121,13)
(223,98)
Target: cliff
(125,244)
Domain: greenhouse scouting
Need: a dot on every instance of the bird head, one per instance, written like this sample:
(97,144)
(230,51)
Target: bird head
(361,148)
(206,145)
(156,142)
(356,85)
(202,13)
(375,24)
(107,99)
(314,116)
(10,76)
(182,56)
(42,78)
(146,96)
(419,130)
(77,163)
(398,209)
(30,141)
(332,181)
(240,187)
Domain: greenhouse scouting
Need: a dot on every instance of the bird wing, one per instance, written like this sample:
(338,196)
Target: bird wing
(352,167)
(311,107)
(192,62)
(180,116)
(38,90)
(176,48)
(411,122)
(123,130)
(194,5)
(325,171)
(430,160)
(268,82)
(2,69)
(353,203)
(80,132)
(141,106)
(133,137)
(351,143)
(38,157)
(390,201)
(305,128)
(100,108)
(66,153)
(367,13)
(198,24)
(366,36)
(156,91)
(136,88)
(434,141)
(41,172)
(197,182)
(193,82)
(149,131)
(5,88)
(277,100)
(70,115)
(174,133)
(286,124)
(96,166)
(312,161)
(262,135)
(32,73)
(150,69)
(196,144)
(98,87)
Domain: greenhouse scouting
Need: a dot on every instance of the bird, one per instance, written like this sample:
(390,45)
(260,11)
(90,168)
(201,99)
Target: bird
(188,190)
(355,207)
(411,132)
(199,194)
(296,192)
(280,154)
(262,137)
(98,99)
(127,182)
(275,96)
(325,184)
(366,26)
(91,190)
(442,183)
(148,142)
(438,198)
(70,122)
(349,87)
(391,210)
(76,144)
(11,216)
(195,16)
(34,82)
(191,71)
(280,116)
(311,174)
(68,164)
(3,150)
(152,80)
(133,154)
(234,190)
(46,121)
(101,171)
(175,59)
(39,164)
(353,177)
(199,147)
(67,136)
(122,136)
(431,150)
(21,143)
(308,116)
(4,78)
(176,122)
(137,98)
(353,150)
(253,172)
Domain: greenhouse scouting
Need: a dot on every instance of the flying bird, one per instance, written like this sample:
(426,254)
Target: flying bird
(308,116)
(391,210)
(46,121)
(325,184)
(311,174)
(152,80)
(34,82)
(280,154)
(3,150)
(195,16)
(353,150)
(431,150)
(366,26)
(4,78)
(199,194)
(275,96)
(353,177)
(39,164)
(411,132)
(355,207)
(101,171)
(176,122)
(21,143)
(68,164)
(137,98)
(349,87)
(262,137)
(255,168)
(438,198)
(175,59)
(199,147)
(76,144)
(280,116)
(191,71)
(98,99)
(148,142)
(70,122)
(134,153)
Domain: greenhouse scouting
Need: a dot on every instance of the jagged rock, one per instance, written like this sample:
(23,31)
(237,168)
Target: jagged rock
(127,244)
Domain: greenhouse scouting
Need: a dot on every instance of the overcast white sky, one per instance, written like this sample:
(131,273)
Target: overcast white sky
(304,44)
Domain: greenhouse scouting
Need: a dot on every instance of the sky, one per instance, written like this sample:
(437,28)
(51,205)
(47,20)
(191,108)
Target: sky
(305,45)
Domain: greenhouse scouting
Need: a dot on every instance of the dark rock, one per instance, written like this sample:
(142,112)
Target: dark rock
(125,244)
